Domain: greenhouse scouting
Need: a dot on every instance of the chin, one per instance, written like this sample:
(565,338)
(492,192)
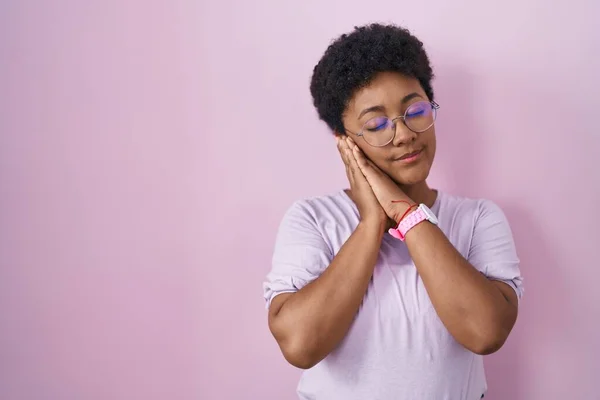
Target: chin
(410,177)
(403,181)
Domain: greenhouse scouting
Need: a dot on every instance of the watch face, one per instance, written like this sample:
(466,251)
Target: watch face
(430,215)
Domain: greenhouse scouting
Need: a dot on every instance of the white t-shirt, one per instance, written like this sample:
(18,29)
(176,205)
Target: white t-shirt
(397,347)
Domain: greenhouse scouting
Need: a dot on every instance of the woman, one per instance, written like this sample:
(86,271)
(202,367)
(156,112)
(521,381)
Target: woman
(391,289)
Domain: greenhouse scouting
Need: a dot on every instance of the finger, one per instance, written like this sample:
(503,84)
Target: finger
(358,153)
(341,142)
(366,169)
(353,170)
(345,154)
(353,165)
(359,156)
(350,175)
(366,165)
(349,156)
(351,148)
(361,160)
(340,147)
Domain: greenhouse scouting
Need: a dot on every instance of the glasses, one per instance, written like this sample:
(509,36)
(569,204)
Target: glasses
(418,117)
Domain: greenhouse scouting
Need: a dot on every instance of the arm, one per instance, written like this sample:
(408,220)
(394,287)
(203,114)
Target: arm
(310,323)
(478,312)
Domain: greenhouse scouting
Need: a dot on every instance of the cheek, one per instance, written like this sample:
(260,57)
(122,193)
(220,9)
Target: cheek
(373,153)
(431,150)
(431,146)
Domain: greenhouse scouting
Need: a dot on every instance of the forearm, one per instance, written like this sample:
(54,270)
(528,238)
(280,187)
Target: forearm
(472,308)
(311,322)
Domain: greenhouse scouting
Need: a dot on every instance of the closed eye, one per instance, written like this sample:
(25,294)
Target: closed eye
(415,114)
(376,124)
(377,128)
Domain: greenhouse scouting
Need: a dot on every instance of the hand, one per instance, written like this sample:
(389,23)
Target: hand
(392,199)
(369,207)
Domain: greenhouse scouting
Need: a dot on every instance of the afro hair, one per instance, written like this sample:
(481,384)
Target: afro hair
(353,60)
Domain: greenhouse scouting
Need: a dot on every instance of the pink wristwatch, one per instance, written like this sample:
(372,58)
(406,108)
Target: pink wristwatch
(422,213)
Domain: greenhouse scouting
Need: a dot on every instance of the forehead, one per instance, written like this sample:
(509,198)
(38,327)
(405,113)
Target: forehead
(387,89)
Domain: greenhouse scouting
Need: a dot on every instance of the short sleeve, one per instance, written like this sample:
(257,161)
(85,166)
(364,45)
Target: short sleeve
(493,250)
(301,253)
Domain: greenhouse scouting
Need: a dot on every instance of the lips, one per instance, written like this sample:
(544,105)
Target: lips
(408,155)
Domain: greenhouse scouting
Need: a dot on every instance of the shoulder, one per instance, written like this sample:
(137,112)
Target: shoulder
(318,208)
(475,208)
(466,220)
(313,223)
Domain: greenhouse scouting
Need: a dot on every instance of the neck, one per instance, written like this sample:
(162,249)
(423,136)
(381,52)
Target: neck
(420,193)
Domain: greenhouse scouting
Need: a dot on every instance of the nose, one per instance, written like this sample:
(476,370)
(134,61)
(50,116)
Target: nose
(402,134)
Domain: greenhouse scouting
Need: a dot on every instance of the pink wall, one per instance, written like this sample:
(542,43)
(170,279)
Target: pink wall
(136,136)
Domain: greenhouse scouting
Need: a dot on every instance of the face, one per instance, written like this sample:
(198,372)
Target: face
(407,159)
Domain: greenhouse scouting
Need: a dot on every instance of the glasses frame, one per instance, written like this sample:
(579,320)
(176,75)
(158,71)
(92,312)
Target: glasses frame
(434,107)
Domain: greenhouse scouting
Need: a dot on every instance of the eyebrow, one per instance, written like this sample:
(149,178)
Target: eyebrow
(379,107)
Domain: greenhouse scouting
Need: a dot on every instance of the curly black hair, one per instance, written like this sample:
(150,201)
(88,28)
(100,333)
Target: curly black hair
(353,60)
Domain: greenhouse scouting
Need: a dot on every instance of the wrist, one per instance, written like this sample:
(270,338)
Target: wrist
(412,219)
(373,225)
(401,210)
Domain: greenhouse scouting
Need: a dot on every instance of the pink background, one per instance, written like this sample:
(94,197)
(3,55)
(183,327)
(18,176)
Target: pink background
(148,150)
